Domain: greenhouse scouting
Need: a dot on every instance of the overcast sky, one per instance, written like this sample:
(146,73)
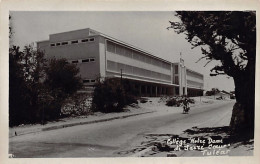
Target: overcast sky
(146,30)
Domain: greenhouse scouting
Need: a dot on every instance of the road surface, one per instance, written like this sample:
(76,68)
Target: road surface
(108,139)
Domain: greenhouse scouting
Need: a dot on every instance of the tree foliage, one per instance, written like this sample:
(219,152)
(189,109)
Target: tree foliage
(228,37)
(62,78)
(110,95)
(37,87)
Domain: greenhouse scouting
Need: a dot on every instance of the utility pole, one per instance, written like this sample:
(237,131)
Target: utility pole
(121,76)
(200,94)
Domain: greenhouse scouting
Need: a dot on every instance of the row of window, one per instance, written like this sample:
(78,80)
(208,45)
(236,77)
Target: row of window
(117,67)
(127,52)
(195,84)
(89,81)
(195,75)
(72,42)
(83,60)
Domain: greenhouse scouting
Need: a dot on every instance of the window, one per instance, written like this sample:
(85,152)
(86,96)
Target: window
(176,69)
(52,45)
(142,58)
(128,69)
(84,40)
(176,80)
(74,61)
(74,41)
(148,60)
(91,59)
(120,50)
(136,55)
(57,44)
(64,43)
(111,47)
(89,81)
(128,52)
(85,60)
(111,65)
(86,81)
(91,39)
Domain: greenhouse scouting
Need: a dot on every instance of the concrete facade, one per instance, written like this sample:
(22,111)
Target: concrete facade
(101,56)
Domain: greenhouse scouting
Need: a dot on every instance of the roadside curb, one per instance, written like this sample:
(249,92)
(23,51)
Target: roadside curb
(78,123)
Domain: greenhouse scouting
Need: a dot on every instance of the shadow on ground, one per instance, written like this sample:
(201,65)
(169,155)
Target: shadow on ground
(211,141)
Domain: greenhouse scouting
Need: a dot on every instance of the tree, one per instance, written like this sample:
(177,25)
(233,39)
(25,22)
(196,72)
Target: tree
(62,77)
(37,87)
(25,72)
(228,37)
(18,98)
(34,86)
(61,81)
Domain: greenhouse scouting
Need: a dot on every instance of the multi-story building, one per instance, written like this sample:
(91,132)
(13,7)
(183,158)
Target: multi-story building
(101,56)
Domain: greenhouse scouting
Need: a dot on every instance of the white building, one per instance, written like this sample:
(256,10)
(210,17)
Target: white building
(98,55)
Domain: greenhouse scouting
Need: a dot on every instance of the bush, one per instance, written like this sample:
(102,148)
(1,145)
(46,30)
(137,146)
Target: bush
(177,101)
(173,102)
(78,105)
(110,96)
(143,100)
(190,100)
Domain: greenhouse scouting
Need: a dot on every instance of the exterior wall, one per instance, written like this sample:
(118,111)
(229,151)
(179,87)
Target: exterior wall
(98,55)
(44,46)
(194,79)
(80,53)
(71,35)
(195,82)
(135,64)
(102,56)
(182,79)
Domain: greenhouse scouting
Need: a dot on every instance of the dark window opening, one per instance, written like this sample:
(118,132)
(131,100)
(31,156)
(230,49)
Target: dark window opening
(57,44)
(93,81)
(85,60)
(74,41)
(75,61)
(64,43)
(86,81)
(91,60)
(176,69)
(52,45)
(84,40)
(177,91)
(91,39)
(176,80)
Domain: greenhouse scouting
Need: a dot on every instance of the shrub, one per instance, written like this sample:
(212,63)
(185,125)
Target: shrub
(78,105)
(110,96)
(143,100)
(177,101)
(174,102)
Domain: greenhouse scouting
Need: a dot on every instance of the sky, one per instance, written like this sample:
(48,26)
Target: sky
(145,30)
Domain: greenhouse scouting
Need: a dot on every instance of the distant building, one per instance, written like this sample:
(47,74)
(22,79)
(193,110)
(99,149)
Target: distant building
(98,55)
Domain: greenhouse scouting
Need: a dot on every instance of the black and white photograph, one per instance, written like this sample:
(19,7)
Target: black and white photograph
(95,84)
